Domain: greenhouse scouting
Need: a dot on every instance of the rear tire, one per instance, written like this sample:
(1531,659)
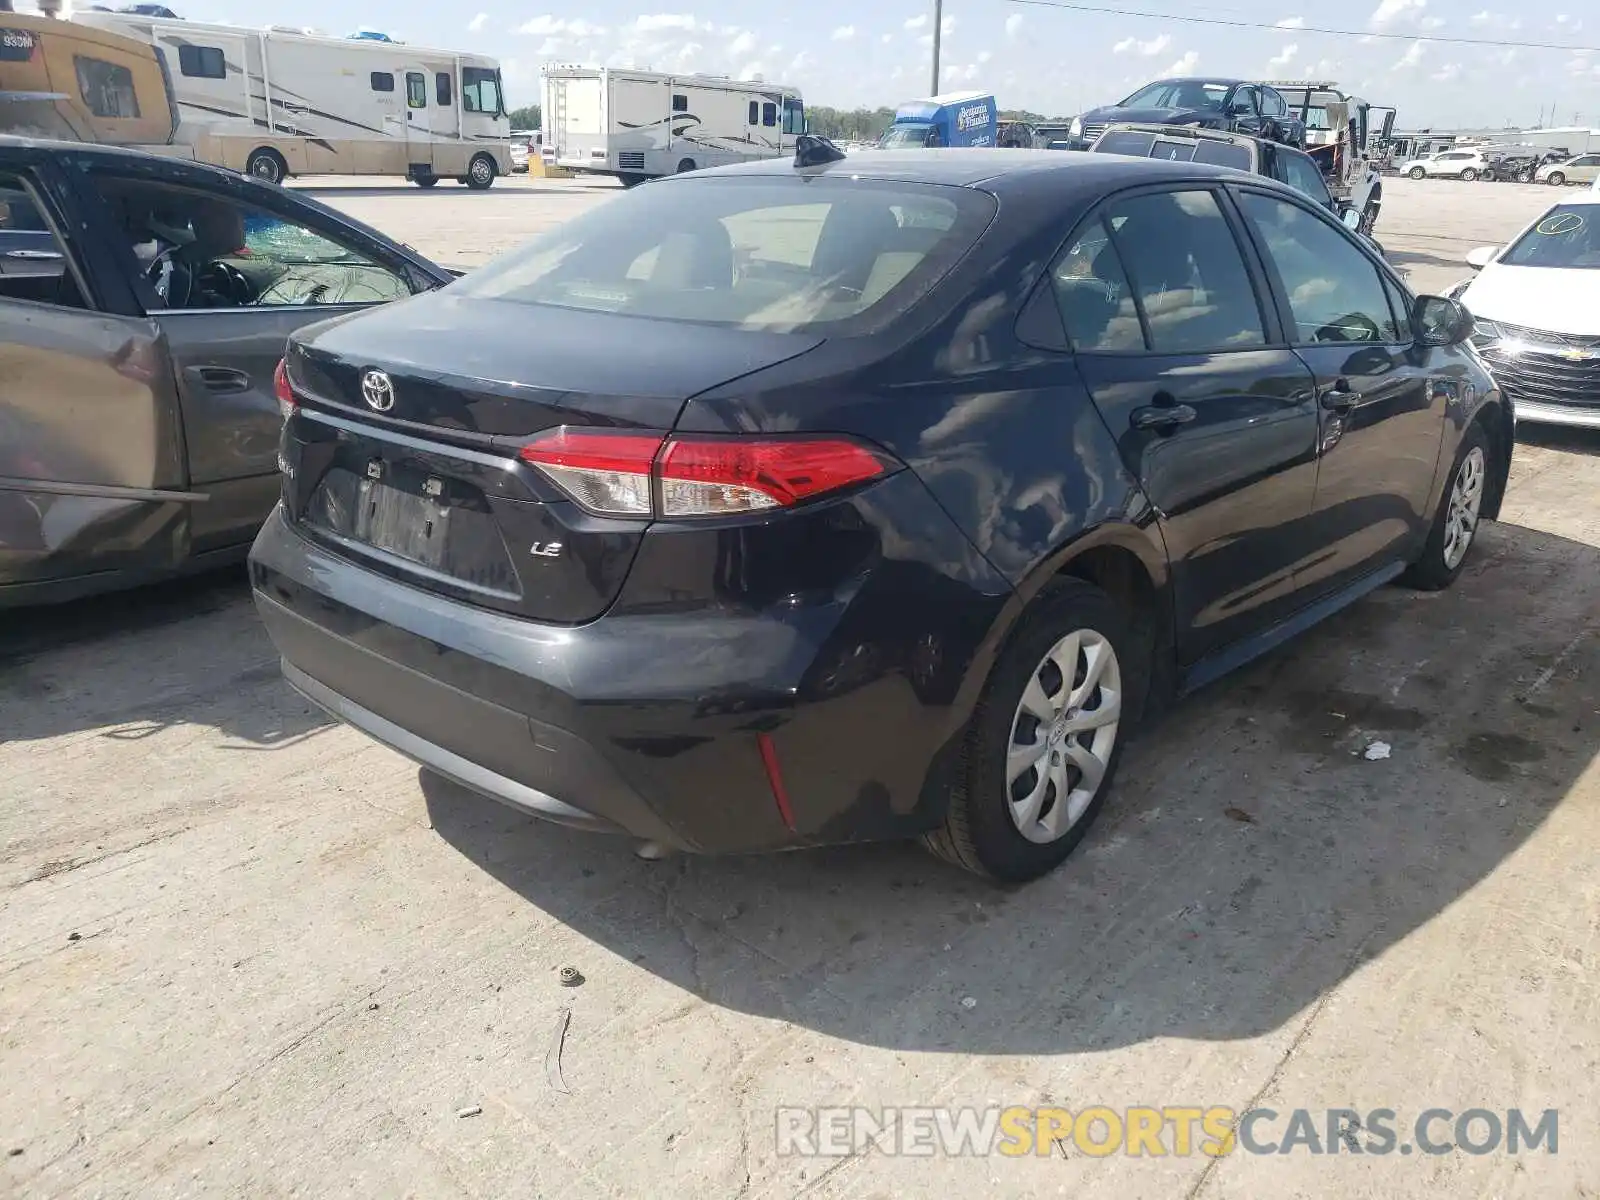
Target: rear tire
(685,165)
(1524,176)
(1470,174)
(1455,524)
(267,165)
(631,180)
(1418,172)
(1062,685)
(480,173)
(425,181)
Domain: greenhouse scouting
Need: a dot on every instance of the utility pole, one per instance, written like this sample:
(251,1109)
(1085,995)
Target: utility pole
(938,29)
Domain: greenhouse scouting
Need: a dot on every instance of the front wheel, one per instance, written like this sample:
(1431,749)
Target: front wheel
(1524,176)
(1455,524)
(1418,172)
(1556,179)
(685,166)
(480,173)
(1045,740)
(266,165)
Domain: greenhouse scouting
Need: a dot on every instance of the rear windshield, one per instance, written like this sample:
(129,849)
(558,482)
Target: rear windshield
(830,255)
(1201,150)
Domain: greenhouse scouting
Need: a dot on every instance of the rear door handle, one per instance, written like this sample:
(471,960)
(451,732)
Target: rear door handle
(1339,396)
(1161,416)
(44,255)
(222,380)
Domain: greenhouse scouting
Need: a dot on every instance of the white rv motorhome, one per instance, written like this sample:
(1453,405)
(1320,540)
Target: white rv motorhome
(639,125)
(278,102)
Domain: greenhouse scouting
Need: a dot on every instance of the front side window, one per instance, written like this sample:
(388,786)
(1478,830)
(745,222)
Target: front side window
(825,256)
(769,114)
(416,90)
(1566,236)
(794,117)
(755,112)
(480,91)
(1335,292)
(1186,271)
(204,62)
(1300,173)
(107,88)
(197,250)
(1272,102)
(903,135)
(1244,101)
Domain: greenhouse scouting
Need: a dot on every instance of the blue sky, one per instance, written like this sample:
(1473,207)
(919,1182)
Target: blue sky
(1052,60)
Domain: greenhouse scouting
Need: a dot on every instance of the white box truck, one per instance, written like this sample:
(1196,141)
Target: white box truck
(278,102)
(639,125)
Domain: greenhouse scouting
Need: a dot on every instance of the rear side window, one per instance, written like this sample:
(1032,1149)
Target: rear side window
(204,62)
(1092,291)
(107,88)
(835,257)
(1125,142)
(382,81)
(769,114)
(1335,292)
(680,103)
(755,112)
(443,90)
(1186,271)
(1224,154)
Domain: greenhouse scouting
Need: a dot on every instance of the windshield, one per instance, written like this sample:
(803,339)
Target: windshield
(1566,236)
(828,255)
(1182,94)
(480,91)
(910,133)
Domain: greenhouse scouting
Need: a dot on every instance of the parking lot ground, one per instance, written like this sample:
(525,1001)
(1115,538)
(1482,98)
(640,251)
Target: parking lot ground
(245,952)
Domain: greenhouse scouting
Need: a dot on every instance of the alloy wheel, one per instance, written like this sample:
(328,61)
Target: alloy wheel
(1062,735)
(481,171)
(1466,500)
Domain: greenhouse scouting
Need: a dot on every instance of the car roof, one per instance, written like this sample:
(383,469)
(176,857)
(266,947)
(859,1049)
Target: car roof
(117,153)
(969,167)
(1196,79)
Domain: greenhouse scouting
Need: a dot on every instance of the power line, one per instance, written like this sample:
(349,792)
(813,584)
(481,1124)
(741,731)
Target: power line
(1497,43)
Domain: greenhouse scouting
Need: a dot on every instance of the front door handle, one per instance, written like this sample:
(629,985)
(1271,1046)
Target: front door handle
(1339,396)
(223,380)
(43,255)
(1161,416)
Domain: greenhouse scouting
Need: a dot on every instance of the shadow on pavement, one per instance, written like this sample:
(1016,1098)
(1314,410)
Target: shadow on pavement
(1250,860)
(131,663)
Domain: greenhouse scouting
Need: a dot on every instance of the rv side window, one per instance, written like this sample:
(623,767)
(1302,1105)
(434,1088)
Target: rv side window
(202,62)
(106,87)
(680,103)
(794,117)
(441,83)
(416,89)
(480,91)
(769,114)
(382,81)
(755,112)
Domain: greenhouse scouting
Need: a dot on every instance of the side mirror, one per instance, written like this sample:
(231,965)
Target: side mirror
(1351,219)
(1440,321)
(1481,257)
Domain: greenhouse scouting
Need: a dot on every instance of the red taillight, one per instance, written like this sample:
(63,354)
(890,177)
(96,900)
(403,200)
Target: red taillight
(280,385)
(614,473)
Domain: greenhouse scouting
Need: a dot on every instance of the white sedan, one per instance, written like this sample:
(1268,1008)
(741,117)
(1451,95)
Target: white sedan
(1536,302)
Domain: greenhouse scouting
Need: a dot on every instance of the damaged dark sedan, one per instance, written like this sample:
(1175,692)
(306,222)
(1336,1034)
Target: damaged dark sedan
(1235,105)
(785,504)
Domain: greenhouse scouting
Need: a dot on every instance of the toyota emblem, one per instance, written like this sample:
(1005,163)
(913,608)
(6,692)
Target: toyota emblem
(377,391)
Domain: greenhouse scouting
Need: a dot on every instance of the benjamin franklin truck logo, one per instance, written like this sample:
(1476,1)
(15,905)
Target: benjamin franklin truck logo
(972,116)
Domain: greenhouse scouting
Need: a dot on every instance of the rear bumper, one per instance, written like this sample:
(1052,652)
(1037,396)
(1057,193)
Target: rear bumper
(642,724)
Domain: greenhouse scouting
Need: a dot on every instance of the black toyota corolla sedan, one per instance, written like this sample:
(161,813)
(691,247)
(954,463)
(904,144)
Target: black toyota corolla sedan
(781,505)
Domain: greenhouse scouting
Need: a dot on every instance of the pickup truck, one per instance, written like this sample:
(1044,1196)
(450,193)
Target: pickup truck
(1237,150)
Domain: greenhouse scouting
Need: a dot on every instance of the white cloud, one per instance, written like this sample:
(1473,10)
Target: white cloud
(917,22)
(1431,22)
(1446,73)
(557,26)
(1412,57)
(1013,23)
(751,70)
(844,33)
(887,38)
(477,23)
(966,74)
(1185,65)
(985,55)
(656,22)
(1292,23)
(1391,12)
(1284,57)
(1149,49)
(742,44)
(1482,18)
(800,62)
